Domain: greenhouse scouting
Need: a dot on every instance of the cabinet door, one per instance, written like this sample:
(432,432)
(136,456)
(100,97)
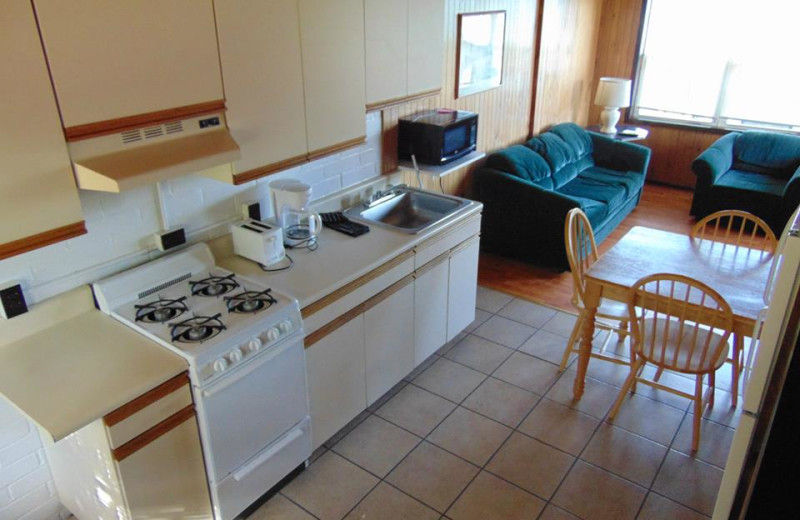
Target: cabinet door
(430,311)
(389,342)
(425,45)
(259,45)
(116,59)
(386,42)
(39,198)
(463,288)
(336,379)
(332,41)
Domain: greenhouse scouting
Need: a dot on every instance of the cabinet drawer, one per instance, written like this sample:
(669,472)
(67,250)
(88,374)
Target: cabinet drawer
(144,412)
(438,244)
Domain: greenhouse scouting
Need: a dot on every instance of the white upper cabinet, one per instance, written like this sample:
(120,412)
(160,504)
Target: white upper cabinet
(404,48)
(425,45)
(111,60)
(386,42)
(40,202)
(259,45)
(332,43)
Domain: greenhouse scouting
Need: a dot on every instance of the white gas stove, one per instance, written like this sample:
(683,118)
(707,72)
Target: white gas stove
(244,345)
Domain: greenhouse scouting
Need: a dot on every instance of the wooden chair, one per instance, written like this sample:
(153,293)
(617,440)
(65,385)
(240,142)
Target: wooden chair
(748,234)
(667,333)
(611,316)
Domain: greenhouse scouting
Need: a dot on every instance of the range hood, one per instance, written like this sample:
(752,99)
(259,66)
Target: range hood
(125,160)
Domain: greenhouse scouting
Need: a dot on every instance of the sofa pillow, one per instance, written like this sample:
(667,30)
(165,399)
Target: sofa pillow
(519,160)
(767,152)
(567,148)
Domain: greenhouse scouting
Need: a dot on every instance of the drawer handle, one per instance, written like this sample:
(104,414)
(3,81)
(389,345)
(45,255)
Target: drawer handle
(162,428)
(261,459)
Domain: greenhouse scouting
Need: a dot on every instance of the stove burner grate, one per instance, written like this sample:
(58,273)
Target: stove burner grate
(196,329)
(214,285)
(250,302)
(161,310)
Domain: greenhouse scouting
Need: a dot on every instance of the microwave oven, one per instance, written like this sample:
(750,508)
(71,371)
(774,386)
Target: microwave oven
(437,136)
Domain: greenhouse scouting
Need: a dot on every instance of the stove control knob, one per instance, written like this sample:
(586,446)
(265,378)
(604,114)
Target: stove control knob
(220,365)
(285,326)
(272,334)
(235,355)
(254,345)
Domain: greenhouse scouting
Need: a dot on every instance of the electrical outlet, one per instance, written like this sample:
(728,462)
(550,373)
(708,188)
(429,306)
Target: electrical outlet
(251,210)
(171,238)
(12,300)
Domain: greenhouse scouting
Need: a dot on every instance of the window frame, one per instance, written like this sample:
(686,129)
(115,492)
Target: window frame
(718,122)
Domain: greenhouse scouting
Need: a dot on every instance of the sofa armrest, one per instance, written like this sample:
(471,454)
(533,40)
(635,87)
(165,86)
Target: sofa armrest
(714,161)
(791,193)
(620,155)
(521,219)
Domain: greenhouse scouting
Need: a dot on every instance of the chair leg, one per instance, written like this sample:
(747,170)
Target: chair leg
(658,374)
(736,369)
(629,381)
(698,411)
(573,338)
(623,331)
(712,388)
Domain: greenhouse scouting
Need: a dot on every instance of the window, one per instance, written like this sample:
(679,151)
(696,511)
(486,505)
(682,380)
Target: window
(720,63)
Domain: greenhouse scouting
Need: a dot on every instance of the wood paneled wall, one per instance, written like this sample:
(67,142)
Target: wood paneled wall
(674,148)
(565,84)
(504,112)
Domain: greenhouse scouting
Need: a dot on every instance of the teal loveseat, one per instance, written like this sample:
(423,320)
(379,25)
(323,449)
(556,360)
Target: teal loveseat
(527,191)
(753,171)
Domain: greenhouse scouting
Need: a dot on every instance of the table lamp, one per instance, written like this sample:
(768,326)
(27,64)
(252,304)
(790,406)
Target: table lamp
(612,94)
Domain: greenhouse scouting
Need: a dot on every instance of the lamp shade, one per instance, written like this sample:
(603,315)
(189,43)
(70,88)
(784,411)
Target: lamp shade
(613,92)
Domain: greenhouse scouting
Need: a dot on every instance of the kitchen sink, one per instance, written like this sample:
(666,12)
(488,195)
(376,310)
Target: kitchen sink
(406,209)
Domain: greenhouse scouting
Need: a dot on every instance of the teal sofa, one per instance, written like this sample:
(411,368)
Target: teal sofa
(753,171)
(527,191)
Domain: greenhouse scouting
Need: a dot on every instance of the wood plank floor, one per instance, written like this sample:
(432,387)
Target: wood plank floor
(661,207)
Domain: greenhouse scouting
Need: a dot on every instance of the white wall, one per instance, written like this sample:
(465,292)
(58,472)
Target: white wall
(120,228)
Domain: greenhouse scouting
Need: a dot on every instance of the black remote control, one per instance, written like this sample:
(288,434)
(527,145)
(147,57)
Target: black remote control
(337,221)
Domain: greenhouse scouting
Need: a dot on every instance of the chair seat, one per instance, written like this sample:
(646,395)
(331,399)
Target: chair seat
(665,346)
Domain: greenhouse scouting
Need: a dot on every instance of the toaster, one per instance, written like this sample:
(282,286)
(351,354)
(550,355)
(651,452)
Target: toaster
(258,241)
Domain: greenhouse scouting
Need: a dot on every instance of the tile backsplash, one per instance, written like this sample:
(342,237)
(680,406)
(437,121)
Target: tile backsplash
(120,235)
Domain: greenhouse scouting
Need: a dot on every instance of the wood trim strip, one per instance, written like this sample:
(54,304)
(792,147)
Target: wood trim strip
(143,439)
(338,147)
(120,124)
(380,105)
(433,263)
(465,244)
(343,291)
(263,171)
(146,399)
(23,245)
(333,325)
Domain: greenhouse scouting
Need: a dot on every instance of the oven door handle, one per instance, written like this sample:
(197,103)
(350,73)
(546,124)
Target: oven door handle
(249,369)
(268,454)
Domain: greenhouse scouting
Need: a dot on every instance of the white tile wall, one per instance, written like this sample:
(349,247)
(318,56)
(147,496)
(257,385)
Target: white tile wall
(120,229)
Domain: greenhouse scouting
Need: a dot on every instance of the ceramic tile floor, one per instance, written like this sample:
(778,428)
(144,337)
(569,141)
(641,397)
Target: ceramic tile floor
(486,429)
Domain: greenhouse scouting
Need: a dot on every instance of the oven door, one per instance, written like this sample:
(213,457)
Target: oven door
(249,408)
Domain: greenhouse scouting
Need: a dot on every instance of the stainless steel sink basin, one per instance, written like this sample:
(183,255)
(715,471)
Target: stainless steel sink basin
(406,209)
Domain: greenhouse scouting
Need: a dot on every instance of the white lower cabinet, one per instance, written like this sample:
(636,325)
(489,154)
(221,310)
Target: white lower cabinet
(336,379)
(389,342)
(462,287)
(430,311)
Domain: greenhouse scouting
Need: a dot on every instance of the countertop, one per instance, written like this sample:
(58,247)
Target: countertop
(65,364)
(337,261)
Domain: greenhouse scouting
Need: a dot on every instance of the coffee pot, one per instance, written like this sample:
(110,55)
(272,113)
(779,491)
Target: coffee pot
(300,226)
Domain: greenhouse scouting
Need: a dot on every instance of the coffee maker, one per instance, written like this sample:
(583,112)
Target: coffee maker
(290,200)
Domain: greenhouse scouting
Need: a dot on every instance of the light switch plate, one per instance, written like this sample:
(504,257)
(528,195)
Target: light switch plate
(171,238)
(12,300)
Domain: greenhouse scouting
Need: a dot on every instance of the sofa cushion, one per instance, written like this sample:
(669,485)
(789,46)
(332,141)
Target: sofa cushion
(767,152)
(630,181)
(589,187)
(520,161)
(595,210)
(752,182)
(567,148)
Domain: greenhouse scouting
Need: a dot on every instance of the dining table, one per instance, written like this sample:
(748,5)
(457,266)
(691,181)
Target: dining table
(738,274)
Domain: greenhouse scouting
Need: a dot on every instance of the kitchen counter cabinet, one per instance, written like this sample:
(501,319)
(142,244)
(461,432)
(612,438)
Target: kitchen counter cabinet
(259,45)
(332,43)
(113,60)
(462,294)
(40,204)
(65,364)
(430,311)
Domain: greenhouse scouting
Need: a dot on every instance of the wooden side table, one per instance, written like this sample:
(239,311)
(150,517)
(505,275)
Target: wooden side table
(624,132)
